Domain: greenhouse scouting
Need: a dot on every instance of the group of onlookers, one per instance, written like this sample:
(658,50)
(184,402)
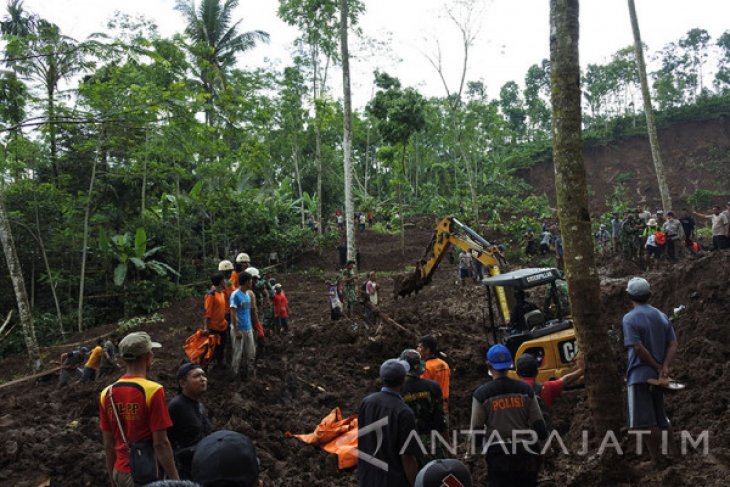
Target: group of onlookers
(655,235)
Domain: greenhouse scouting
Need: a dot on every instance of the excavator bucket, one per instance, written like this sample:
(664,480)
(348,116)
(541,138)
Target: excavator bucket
(407,284)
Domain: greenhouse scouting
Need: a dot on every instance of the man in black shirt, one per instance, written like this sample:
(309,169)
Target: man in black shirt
(501,408)
(688,225)
(518,312)
(190,422)
(386,445)
(424,398)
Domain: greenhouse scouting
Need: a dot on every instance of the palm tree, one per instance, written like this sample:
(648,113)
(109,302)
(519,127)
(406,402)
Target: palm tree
(215,42)
(17,23)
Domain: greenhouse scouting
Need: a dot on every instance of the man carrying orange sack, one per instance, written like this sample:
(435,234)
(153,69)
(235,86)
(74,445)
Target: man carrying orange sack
(133,410)
(216,308)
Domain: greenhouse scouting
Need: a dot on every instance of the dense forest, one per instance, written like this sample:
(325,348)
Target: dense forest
(131,163)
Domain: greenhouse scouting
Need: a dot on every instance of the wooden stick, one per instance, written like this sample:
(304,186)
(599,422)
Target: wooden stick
(88,340)
(7,320)
(387,319)
(313,386)
(29,377)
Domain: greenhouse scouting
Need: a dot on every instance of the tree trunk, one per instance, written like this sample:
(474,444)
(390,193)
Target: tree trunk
(317,138)
(21,295)
(298,174)
(649,112)
(50,89)
(347,135)
(144,176)
(51,280)
(602,386)
(87,214)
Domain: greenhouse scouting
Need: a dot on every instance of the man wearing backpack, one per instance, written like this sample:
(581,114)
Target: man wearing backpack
(547,392)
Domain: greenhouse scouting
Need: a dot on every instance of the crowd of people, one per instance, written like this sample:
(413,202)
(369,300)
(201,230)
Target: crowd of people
(640,234)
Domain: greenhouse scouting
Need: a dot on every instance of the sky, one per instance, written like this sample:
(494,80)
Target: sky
(513,34)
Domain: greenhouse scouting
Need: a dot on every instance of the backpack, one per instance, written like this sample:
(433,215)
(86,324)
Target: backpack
(199,347)
(660,238)
(546,416)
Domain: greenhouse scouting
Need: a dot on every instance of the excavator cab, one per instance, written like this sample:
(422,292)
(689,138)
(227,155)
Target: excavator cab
(546,332)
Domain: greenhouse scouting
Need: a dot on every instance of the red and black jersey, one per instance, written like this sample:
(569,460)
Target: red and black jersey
(142,410)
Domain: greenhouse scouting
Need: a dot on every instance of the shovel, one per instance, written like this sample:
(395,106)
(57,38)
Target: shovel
(667,383)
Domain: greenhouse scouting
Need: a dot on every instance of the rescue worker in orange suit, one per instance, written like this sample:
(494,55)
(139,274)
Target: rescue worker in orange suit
(436,369)
(216,308)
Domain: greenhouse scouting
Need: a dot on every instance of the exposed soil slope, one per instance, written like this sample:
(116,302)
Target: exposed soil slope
(695,155)
(55,435)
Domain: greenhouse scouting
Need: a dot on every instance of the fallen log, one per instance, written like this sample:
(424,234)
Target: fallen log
(387,319)
(30,377)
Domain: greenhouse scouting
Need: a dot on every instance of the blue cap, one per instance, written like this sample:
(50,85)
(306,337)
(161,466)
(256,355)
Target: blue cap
(499,357)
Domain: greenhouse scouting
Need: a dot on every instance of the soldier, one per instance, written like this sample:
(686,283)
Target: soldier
(260,290)
(349,278)
(629,234)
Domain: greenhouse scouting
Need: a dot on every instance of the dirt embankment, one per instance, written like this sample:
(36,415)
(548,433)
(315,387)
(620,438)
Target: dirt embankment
(695,155)
(48,434)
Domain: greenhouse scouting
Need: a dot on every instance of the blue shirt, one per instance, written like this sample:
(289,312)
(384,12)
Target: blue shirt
(646,325)
(241,302)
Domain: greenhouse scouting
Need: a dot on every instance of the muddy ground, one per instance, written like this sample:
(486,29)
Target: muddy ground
(49,435)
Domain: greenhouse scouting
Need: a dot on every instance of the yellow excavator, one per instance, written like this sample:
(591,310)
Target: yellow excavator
(551,341)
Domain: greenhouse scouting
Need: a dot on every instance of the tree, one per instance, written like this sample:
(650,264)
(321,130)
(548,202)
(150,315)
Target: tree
(603,387)
(215,43)
(722,78)
(512,107)
(39,52)
(347,132)
(649,112)
(537,90)
(696,43)
(21,295)
(399,114)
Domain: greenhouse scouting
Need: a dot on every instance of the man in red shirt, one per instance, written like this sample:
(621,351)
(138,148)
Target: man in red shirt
(527,368)
(281,309)
(141,411)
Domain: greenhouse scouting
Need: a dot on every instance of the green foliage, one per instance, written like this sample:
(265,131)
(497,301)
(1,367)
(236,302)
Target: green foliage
(130,324)
(703,199)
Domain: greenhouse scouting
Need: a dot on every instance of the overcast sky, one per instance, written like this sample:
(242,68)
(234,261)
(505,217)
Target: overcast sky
(513,33)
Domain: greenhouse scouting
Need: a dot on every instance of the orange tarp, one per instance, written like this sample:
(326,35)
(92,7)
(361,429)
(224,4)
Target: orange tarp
(335,435)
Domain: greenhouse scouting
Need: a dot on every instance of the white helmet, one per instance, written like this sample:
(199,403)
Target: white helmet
(243,257)
(254,272)
(225,265)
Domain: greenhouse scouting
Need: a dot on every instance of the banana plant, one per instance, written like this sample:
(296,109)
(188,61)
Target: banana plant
(136,253)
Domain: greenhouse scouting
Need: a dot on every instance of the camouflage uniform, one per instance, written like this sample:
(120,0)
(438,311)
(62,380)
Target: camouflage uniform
(350,288)
(629,236)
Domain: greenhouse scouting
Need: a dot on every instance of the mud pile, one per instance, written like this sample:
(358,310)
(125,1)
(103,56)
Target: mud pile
(54,435)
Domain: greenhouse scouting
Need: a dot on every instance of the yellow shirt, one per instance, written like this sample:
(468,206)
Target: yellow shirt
(94,361)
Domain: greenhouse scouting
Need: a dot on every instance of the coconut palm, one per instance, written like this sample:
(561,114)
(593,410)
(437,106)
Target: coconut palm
(215,42)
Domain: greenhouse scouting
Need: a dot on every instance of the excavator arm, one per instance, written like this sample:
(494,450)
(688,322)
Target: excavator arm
(451,232)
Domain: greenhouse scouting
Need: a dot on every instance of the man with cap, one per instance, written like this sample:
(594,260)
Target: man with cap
(138,406)
(226,459)
(435,368)
(386,447)
(190,422)
(603,238)
(651,344)
(500,409)
(444,473)
(424,398)
(262,304)
(217,314)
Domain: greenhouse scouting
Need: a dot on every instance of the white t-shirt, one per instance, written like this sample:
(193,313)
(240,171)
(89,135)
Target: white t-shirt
(719,224)
(372,291)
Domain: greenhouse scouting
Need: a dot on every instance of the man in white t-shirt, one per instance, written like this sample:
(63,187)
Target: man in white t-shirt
(371,289)
(720,228)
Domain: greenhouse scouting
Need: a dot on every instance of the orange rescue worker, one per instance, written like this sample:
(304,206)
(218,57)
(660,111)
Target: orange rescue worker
(216,309)
(436,369)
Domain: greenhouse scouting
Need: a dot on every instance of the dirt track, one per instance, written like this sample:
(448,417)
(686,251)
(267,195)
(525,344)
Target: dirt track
(49,435)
